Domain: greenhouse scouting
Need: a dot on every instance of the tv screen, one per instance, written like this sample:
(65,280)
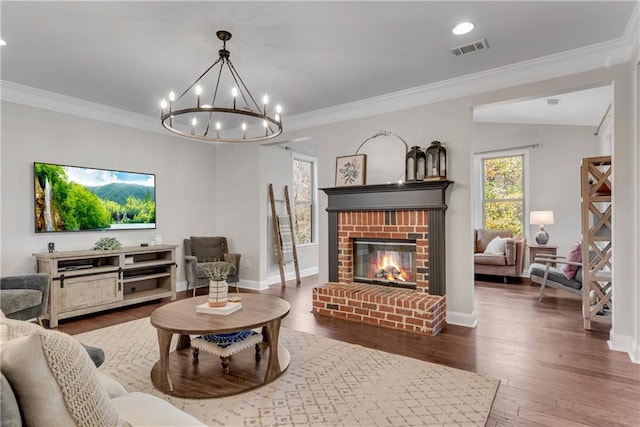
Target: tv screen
(71,198)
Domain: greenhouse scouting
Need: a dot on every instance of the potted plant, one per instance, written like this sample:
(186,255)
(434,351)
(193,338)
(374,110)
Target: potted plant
(217,272)
(107,244)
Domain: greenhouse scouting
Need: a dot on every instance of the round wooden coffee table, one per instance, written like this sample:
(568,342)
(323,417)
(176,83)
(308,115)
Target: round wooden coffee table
(176,375)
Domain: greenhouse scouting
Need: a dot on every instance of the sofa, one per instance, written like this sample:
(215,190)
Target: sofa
(503,257)
(48,378)
(24,297)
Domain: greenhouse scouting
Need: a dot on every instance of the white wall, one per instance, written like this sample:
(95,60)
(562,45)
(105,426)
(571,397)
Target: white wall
(635,72)
(451,122)
(237,192)
(243,174)
(554,172)
(182,167)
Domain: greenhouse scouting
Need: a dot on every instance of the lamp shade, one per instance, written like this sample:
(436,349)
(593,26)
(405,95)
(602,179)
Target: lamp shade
(541,217)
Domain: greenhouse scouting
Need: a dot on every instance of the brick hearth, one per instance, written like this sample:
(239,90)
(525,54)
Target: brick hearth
(394,308)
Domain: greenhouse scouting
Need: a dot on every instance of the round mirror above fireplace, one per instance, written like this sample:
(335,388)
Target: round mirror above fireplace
(386,154)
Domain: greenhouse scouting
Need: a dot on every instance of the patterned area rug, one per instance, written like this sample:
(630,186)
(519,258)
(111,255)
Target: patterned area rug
(328,383)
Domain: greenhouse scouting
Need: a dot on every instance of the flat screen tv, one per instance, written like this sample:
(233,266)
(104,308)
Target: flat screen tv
(72,198)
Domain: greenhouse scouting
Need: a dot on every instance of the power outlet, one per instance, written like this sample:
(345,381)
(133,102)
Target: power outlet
(246,264)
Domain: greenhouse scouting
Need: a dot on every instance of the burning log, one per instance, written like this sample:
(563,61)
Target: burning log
(390,272)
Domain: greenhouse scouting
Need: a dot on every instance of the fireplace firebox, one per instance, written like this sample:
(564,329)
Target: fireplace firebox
(386,262)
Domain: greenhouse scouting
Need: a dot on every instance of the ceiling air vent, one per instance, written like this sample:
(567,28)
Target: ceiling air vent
(471,47)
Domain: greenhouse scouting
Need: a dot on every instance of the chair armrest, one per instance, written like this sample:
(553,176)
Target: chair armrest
(233,259)
(547,255)
(190,269)
(510,251)
(551,260)
(36,281)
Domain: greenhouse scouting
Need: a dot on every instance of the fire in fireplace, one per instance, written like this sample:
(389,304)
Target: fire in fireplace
(385,262)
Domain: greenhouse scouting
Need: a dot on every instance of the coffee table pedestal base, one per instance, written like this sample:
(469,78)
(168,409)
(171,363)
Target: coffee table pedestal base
(206,379)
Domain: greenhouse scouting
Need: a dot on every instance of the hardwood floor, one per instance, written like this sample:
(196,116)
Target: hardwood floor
(552,372)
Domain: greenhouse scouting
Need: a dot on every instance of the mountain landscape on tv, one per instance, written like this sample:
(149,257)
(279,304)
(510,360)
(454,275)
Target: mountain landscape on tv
(69,198)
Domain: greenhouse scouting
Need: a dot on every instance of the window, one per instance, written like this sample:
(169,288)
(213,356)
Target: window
(503,193)
(303,199)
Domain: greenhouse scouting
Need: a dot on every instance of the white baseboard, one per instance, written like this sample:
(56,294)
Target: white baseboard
(469,320)
(625,344)
(261,285)
(290,275)
(251,284)
(181,286)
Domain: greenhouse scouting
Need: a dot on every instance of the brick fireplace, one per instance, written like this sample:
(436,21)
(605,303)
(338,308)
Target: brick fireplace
(411,212)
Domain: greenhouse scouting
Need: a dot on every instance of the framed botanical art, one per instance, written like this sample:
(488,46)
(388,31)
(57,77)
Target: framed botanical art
(351,170)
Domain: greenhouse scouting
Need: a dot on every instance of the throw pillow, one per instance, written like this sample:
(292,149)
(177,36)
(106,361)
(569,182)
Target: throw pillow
(496,246)
(54,379)
(575,255)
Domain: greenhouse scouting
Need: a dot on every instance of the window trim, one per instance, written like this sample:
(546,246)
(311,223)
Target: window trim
(314,190)
(479,187)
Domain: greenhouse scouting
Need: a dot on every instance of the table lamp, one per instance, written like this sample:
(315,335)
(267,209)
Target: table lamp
(541,218)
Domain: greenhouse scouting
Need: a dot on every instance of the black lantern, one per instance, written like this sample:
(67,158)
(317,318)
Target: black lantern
(415,164)
(436,161)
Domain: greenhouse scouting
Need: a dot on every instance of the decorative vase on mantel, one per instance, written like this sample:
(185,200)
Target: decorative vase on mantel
(217,272)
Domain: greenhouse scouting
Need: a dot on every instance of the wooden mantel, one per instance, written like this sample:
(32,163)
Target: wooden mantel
(428,195)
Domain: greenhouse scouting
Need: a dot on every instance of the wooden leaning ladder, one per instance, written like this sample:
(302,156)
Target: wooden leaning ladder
(277,236)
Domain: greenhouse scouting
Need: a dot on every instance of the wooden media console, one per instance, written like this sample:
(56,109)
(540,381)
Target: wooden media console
(90,281)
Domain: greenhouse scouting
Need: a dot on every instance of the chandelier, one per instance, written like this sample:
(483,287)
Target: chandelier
(232,116)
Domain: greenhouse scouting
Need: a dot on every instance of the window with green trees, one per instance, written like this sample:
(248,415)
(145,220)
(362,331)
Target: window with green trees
(303,199)
(503,193)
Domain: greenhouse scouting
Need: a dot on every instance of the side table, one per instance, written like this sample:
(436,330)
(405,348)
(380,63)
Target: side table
(535,250)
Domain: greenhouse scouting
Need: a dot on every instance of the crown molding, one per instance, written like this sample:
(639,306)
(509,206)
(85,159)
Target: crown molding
(561,64)
(26,95)
(565,63)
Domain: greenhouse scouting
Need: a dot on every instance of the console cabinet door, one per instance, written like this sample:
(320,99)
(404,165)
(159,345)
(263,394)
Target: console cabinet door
(77,293)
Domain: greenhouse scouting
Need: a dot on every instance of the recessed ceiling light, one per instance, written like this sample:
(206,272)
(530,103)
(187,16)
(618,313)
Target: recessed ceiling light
(463,28)
(2,42)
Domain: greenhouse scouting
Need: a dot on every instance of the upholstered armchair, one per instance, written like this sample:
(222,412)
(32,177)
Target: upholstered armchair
(25,297)
(199,250)
(498,258)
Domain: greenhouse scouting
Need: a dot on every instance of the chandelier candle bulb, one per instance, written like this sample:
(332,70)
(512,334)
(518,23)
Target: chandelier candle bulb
(172,97)
(198,93)
(244,130)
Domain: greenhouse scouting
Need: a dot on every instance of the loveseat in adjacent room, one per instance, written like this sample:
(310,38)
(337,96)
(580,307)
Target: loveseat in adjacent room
(498,253)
